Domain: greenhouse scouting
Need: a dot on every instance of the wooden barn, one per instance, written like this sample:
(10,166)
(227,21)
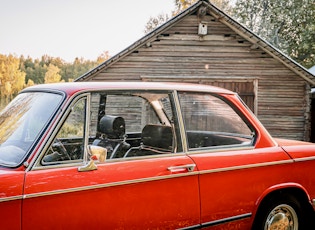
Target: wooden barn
(204,45)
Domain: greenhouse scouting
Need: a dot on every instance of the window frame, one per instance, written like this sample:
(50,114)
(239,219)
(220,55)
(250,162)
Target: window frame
(237,111)
(70,163)
(178,147)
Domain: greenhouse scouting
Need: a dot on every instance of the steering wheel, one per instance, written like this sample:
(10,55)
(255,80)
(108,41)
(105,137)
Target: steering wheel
(61,153)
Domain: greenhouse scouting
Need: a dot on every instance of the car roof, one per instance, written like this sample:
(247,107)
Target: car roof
(74,87)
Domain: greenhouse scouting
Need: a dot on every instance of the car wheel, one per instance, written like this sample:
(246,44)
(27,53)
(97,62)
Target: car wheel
(282,216)
(282,212)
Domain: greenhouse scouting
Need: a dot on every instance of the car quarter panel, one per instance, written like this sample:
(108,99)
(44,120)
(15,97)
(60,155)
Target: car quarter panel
(303,156)
(136,193)
(231,182)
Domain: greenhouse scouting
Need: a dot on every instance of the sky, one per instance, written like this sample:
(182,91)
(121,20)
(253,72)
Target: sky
(74,28)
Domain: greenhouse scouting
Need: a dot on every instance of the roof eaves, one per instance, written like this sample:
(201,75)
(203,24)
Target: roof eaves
(228,21)
(146,39)
(264,45)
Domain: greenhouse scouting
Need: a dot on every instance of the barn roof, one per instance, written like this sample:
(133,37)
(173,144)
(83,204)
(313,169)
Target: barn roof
(223,18)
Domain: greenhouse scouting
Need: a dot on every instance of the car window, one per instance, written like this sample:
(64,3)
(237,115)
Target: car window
(132,125)
(69,141)
(22,123)
(211,122)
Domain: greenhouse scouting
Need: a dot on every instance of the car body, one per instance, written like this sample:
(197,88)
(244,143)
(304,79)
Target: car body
(145,155)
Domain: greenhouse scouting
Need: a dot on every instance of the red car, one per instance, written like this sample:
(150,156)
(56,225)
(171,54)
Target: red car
(140,155)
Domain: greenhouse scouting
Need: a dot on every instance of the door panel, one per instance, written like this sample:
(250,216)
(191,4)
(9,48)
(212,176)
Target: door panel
(232,181)
(133,193)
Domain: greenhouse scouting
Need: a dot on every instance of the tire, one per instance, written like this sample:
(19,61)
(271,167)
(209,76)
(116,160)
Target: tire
(281,212)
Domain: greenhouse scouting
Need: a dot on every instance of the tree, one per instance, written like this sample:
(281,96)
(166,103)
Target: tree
(30,83)
(102,57)
(287,25)
(35,69)
(181,5)
(12,79)
(52,75)
(155,22)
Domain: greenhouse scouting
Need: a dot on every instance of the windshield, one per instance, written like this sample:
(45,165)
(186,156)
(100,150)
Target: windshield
(22,122)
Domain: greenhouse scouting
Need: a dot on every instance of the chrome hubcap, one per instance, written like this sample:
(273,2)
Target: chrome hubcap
(282,217)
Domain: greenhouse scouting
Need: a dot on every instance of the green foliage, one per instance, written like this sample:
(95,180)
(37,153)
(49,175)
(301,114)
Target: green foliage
(181,5)
(52,75)
(12,79)
(70,130)
(17,73)
(287,25)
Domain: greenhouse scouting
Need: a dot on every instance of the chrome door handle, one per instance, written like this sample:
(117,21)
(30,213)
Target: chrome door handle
(182,168)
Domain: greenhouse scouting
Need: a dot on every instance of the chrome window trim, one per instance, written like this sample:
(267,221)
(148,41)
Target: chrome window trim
(219,149)
(124,159)
(74,163)
(250,144)
(180,121)
(86,131)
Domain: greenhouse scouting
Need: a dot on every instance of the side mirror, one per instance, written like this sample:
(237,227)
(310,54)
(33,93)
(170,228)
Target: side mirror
(97,153)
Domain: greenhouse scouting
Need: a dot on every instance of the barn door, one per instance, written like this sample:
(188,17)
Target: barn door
(246,90)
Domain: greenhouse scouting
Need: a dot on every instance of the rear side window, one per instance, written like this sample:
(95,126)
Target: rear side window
(211,122)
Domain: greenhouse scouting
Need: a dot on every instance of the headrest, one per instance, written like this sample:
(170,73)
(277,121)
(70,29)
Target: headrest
(112,126)
(158,136)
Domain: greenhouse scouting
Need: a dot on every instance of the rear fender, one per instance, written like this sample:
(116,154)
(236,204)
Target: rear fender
(278,188)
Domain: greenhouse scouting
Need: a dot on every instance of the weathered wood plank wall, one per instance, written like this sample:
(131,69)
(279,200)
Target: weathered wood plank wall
(279,96)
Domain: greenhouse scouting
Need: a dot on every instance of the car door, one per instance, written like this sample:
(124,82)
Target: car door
(233,174)
(155,189)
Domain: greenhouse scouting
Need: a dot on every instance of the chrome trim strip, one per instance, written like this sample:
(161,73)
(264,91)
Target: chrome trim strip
(272,163)
(84,188)
(111,184)
(219,221)
(10,198)
(191,227)
(228,219)
(304,159)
